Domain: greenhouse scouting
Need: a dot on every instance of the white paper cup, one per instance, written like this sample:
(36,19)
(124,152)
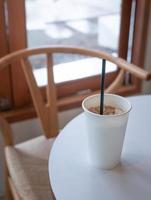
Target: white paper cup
(106,133)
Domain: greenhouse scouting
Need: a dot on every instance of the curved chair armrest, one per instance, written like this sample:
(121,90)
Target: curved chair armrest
(133,69)
(6,131)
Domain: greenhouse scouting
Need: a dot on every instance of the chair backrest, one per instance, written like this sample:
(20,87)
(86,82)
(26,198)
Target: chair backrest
(47,111)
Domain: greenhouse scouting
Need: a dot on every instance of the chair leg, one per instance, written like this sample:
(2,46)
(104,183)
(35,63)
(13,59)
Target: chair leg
(7,186)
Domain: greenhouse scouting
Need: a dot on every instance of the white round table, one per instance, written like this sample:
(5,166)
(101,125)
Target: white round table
(72,178)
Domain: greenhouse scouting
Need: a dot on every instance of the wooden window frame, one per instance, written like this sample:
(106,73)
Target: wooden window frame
(18,40)
(140,38)
(5,89)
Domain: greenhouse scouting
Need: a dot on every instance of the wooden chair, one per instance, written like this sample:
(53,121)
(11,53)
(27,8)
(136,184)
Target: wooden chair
(26,163)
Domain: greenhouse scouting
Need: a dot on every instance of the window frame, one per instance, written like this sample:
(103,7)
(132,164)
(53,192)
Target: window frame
(140,38)
(5,89)
(22,107)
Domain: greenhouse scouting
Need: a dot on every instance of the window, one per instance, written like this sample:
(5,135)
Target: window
(92,25)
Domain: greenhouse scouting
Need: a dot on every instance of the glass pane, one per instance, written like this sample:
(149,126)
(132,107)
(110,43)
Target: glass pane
(91,24)
(70,70)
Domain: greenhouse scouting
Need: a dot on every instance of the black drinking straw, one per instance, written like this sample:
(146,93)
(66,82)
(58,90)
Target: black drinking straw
(102,87)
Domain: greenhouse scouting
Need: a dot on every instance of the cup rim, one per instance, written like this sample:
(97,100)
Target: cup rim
(106,94)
